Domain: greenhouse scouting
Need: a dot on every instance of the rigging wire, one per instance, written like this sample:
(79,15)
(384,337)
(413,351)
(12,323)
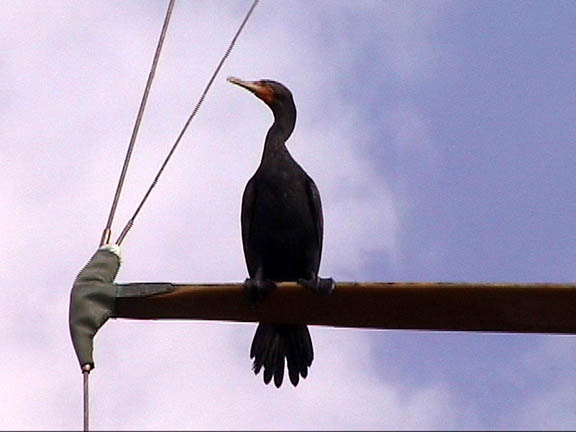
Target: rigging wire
(196,108)
(107,230)
(85,374)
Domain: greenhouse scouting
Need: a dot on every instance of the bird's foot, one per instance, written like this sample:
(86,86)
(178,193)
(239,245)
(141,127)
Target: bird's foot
(258,289)
(319,285)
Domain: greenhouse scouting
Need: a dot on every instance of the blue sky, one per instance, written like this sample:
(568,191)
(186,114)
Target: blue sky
(440,135)
(500,112)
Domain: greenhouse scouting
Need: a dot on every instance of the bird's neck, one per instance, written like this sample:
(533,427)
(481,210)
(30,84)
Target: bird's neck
(279,133)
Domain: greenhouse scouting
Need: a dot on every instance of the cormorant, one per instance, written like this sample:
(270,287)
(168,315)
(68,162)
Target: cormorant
(282,228)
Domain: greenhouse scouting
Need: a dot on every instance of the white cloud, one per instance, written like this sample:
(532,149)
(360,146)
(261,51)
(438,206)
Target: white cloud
(76,73)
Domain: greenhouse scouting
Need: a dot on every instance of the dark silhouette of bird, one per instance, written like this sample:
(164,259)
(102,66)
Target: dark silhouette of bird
(282,229)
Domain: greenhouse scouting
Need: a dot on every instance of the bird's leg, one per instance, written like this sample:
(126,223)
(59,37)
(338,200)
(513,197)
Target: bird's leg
(258,288)
(318,285)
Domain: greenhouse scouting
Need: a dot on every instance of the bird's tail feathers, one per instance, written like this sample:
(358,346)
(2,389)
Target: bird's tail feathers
(275,343)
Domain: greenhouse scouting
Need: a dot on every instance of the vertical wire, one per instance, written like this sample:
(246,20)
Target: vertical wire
(107,230)
(85,374)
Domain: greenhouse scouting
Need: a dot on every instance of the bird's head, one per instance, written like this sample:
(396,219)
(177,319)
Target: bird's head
(274,94)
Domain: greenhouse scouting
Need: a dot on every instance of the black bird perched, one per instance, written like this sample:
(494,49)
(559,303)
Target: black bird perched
(282,228)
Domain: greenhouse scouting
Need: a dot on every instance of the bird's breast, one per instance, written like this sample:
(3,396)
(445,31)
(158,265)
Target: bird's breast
(281,201)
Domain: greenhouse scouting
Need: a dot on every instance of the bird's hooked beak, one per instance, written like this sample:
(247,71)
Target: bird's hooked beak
(262,91)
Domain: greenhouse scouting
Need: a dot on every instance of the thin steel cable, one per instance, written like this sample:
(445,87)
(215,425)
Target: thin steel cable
(202,97)
(85,374)
(107,231)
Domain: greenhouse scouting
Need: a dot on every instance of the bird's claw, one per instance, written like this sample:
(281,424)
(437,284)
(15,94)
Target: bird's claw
(319,285)
(258,289)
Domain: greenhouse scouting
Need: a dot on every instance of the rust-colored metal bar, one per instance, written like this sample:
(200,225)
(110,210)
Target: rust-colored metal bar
(483,307)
